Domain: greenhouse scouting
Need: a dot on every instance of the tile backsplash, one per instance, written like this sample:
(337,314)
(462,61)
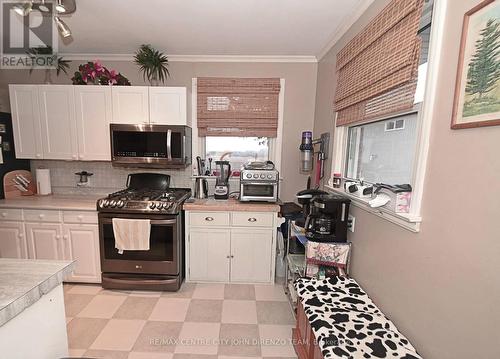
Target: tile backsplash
(106,178)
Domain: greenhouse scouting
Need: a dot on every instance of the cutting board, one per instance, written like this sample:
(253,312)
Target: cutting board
(9,188)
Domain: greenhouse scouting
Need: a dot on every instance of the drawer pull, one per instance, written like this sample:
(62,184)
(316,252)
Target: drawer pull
(252,219)
(4,214)
(80,217)
(41,216)
(209,219)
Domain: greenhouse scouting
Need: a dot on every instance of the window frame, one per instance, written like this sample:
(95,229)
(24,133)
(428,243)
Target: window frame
(410,221)
(275,143)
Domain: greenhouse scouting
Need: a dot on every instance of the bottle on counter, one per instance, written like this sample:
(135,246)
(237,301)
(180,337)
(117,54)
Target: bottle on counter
(337,180)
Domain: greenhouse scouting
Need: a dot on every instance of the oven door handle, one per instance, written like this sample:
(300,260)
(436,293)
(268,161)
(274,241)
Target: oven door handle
(169,144)
(153,222)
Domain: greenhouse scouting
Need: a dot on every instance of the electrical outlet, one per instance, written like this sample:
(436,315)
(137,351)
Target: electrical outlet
(351,221)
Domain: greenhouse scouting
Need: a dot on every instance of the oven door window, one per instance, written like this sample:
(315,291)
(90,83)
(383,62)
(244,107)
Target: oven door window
(258,190)
(161,245)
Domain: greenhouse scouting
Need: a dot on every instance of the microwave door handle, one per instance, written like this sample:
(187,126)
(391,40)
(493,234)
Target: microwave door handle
(169,145)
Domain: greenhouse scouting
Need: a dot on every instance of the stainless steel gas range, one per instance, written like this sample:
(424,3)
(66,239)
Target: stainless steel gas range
(147,196)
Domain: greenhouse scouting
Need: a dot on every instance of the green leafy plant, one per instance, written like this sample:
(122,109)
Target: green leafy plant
(61,64)
(152,63)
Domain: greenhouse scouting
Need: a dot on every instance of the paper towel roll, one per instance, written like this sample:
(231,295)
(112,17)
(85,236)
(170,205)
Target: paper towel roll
(43,181)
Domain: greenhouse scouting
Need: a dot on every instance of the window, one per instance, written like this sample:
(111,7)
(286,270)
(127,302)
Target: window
(237,150)
(383,151)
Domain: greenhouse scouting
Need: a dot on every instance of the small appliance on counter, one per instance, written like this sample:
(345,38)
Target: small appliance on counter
(304,198)
(200,188)
(18,183)
(259,182)
(328,218)
(222,181)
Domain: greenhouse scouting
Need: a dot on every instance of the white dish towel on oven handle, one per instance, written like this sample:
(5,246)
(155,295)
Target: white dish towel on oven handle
(131,234)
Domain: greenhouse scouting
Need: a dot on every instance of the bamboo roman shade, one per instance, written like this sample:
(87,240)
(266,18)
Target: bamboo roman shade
(238,106)
(377,70)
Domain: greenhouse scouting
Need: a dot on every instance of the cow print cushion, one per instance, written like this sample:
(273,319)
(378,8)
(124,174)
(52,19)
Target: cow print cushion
(346,322)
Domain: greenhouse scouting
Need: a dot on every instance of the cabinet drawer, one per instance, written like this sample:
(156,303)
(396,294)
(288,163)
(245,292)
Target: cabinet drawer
(80,217)
(11,214)
(209,218)
(252,219)
(34,215)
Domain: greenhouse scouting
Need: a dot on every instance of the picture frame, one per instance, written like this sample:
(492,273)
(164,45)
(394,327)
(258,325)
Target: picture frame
(477,87)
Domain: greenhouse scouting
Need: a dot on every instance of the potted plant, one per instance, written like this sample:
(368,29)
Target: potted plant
(95,74)
(152,63)
(61,64)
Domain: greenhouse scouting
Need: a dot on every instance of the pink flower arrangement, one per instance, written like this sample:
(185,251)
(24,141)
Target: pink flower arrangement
(95,73)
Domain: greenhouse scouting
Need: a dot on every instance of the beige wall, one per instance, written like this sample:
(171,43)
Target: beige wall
(440,286)
(300,90)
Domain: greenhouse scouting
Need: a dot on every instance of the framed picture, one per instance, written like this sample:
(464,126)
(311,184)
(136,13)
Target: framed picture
(477,90)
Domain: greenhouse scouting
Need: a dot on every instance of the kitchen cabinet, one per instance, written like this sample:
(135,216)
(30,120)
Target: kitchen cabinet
(251,255)
(53,234)
(167,105)
(209,253)
(81,243)
(130,104)
(57,122)
(12,240)
(44,240)
(68,122)
(26,121)
(235,247)
(94,113)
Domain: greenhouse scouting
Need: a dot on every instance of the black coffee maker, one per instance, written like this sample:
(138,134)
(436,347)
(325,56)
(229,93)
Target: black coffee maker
(327,219)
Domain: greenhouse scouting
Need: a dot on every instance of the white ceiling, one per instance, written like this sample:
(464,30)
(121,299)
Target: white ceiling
(208,27)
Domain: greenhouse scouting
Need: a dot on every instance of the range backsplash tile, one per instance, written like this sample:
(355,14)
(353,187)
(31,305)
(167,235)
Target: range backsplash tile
(106,178)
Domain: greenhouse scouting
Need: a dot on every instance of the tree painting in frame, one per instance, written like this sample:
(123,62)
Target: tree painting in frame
(477,91)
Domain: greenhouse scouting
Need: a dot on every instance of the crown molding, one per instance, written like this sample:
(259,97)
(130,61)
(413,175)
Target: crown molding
(344,27)
(192,58)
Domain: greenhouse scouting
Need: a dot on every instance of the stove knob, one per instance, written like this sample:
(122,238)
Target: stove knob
(112,203)
(262,176)
(105,203)
(256,176)
(120,204)
(165,205)
(249,175)
(152,205)
(270,176)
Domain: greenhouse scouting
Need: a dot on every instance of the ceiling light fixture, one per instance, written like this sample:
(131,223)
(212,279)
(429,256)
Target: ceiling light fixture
(60,6)
(62,27)
(42,7)
(23,9)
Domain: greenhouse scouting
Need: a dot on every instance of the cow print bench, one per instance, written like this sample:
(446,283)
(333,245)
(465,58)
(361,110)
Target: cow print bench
(346,323)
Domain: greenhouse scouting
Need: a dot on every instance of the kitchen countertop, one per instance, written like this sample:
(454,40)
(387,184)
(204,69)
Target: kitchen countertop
(58,202)
(24,281)
(210,204)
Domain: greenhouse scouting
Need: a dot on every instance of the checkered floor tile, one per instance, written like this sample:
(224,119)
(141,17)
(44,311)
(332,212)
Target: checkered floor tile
(199,321)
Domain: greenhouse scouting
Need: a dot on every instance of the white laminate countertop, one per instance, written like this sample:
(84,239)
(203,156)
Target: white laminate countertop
(58,202)
(211,204)
(24,281)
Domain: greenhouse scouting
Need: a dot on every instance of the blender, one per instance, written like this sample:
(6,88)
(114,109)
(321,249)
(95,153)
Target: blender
(222,182)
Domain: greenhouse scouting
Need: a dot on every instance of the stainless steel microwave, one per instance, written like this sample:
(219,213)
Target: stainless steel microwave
(150,146)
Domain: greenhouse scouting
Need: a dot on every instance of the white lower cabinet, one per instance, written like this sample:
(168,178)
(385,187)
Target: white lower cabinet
(12,240)
(210,254)
(52,234)
(251,255)
(44,240)
(235,247)
(81,243)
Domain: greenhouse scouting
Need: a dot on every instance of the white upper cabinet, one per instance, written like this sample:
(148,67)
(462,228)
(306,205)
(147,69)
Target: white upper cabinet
(93,116)
(26,121)
(167,105)
(130,104)
(57,120)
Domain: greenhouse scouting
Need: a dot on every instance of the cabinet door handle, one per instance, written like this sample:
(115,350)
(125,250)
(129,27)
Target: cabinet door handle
(65,237)
(73,157)
(209,219)
(20,235)
(252,219)
(81,157)
(228,257)
(58,236)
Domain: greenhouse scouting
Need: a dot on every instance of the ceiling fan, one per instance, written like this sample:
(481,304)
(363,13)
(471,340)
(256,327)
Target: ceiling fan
(62,7)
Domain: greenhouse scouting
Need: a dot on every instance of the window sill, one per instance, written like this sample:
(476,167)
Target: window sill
(407,221)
